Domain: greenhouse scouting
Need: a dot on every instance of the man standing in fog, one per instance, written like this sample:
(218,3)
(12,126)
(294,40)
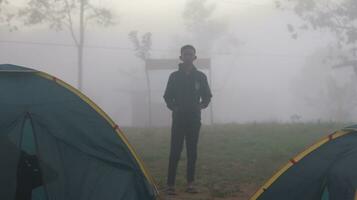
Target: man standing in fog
(187,93)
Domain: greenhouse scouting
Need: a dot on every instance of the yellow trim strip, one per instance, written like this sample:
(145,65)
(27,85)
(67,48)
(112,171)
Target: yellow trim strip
(110,121)
(297,158)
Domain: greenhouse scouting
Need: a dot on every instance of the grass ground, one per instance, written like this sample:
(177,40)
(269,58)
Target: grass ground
(234,159)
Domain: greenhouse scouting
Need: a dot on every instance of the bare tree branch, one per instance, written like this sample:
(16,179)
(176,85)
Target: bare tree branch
(70,27)
(60,14)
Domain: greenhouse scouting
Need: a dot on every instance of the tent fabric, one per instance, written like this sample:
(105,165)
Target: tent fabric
(81,153)
(325,171)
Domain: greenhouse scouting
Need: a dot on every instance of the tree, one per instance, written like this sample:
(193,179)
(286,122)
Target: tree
(325,92)
(199,22)
(336,16)
(70,15)
(6,15)
(142,50)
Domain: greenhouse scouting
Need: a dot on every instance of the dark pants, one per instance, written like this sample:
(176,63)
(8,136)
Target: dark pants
(185,126)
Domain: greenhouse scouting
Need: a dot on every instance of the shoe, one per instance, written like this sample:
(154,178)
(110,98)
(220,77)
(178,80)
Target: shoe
(191,190)
(170,191)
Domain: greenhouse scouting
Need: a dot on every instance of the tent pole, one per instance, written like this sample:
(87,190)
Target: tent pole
(28,116)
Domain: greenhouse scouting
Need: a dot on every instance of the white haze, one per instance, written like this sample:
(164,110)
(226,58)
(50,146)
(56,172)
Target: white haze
(256,81)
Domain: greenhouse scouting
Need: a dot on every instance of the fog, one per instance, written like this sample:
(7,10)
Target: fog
(259,73)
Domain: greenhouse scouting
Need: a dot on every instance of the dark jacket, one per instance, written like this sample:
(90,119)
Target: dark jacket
(187,92)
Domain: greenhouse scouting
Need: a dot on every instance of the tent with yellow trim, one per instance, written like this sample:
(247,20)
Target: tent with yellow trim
(325,171)
(56,144)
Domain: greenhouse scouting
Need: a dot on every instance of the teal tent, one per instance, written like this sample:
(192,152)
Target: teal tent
(325,171)
(58,145)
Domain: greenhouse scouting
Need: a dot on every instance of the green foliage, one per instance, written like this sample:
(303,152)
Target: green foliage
(7,15)
(59,14)
(336,16)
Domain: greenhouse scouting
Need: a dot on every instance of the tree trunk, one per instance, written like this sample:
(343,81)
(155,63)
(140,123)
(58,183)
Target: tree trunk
(149,96)
(80,46)
(80,66)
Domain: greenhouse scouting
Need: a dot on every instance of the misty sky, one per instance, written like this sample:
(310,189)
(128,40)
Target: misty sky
(252,81)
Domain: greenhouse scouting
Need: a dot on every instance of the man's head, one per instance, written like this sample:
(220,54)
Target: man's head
(188,54)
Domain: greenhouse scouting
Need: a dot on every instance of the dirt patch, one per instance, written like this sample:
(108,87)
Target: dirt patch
(246,192)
